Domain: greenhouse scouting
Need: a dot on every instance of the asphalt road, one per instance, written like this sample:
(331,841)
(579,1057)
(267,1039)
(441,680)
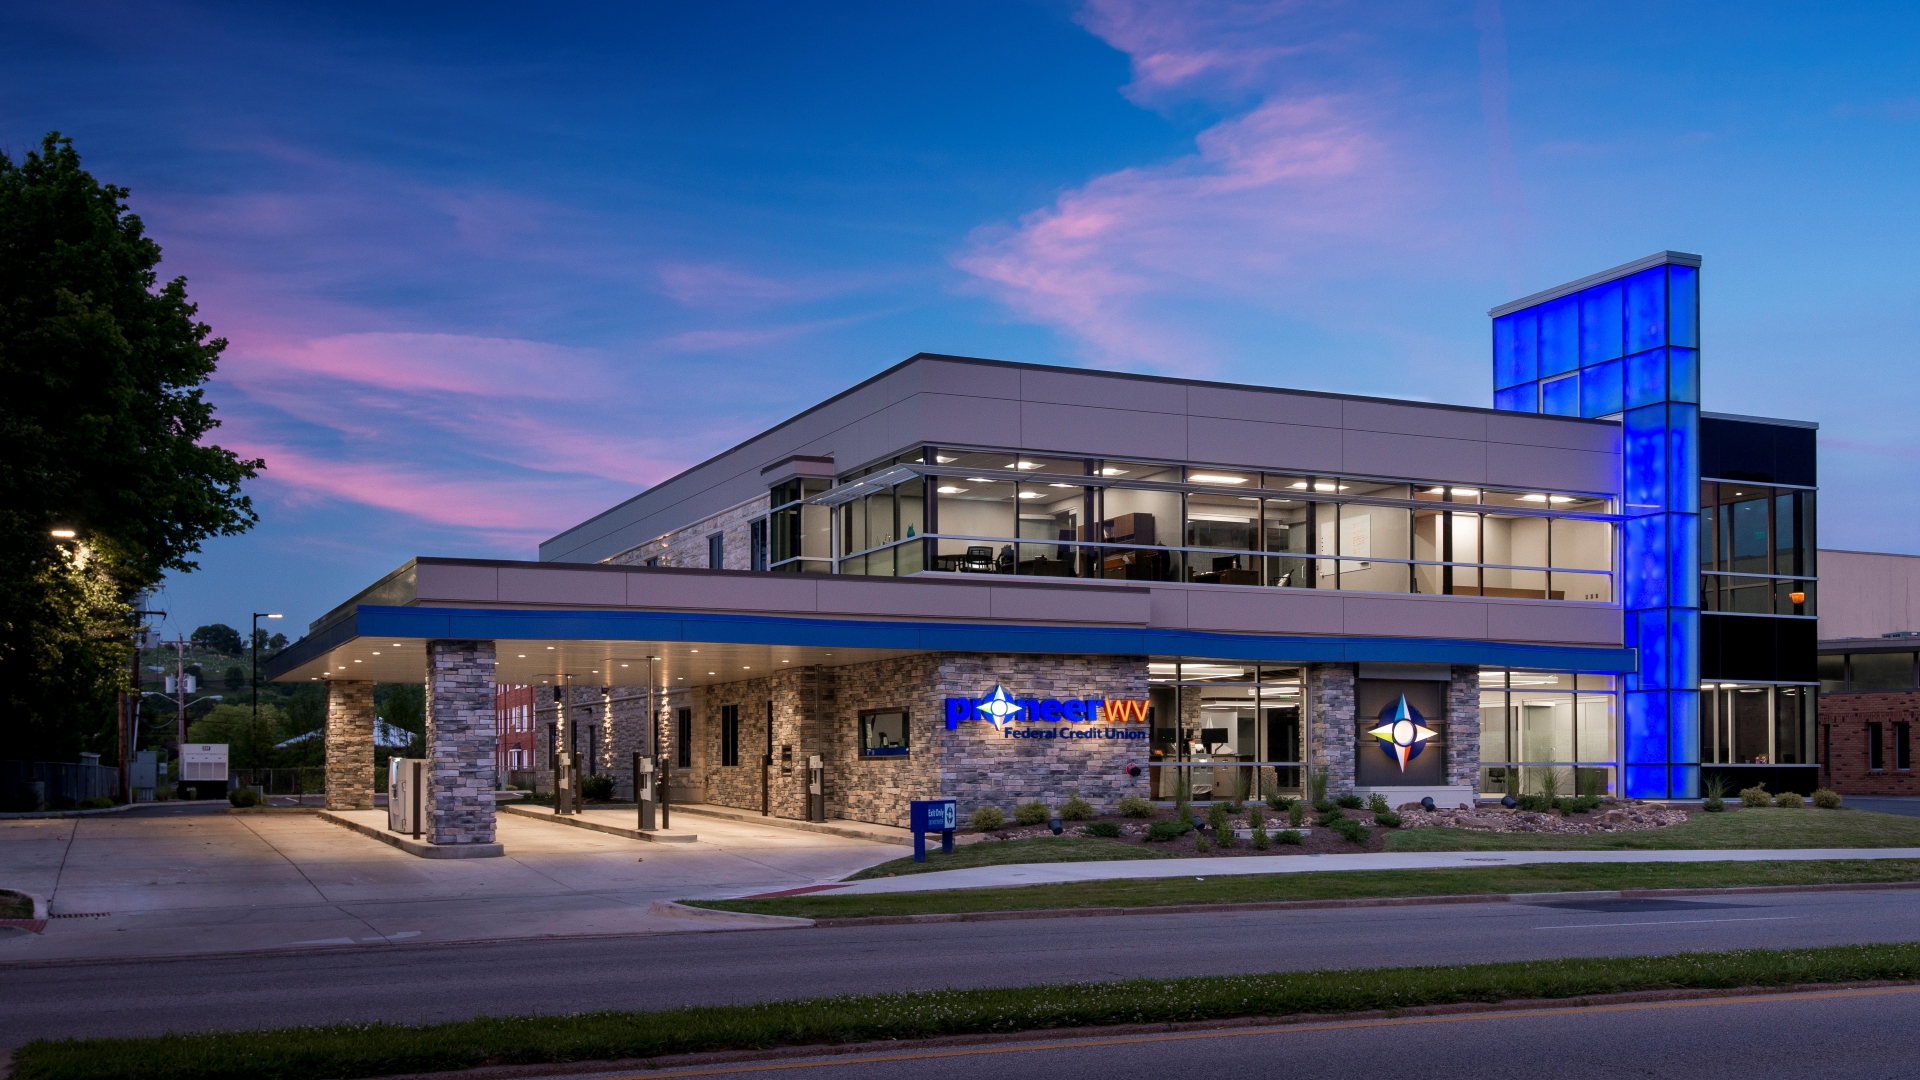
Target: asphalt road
(432,982)
(1858,1035)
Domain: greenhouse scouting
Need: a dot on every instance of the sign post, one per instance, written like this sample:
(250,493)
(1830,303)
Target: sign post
(932,815)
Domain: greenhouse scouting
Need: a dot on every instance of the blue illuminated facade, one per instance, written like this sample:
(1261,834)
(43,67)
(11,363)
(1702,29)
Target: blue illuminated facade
(1625,344)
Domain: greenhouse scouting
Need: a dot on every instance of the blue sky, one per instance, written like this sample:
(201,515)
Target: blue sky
(487,272)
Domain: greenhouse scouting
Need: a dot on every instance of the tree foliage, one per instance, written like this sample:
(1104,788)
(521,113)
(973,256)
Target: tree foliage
(218,637)
(101,432)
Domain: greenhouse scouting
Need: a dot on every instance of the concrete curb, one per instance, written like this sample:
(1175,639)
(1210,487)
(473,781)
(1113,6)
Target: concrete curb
(552,818)
(1356,902)
(726,919)
(417,847)
(29,815)
(796,825)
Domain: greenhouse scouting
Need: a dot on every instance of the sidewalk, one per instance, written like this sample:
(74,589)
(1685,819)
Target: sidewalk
(981,877)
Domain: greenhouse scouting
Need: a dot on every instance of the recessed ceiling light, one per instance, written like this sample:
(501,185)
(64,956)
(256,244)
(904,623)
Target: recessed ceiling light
(786,661)
(1111,471)
(396,644)
(696,650)
(626,665)
(1216,478)
(712,673)
(376,652)
(978,480)
(523,656)
(950,490)
(549,648)
(359,661)
(1029,494)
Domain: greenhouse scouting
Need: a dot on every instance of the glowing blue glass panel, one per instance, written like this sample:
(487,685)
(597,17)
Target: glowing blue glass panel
(1644,451)
(1600,393)
(1683,375)
(1646,378)
(1643,734)
(1514,349)
(1655,661)
(1683,306)
(1643,549)
(1646,310)
(1683,637)
(1646,781)
(1683,458)
(1686,782)
(1559,335)
(1522,398)
(1561,397)
(1601,324)
(1683,560)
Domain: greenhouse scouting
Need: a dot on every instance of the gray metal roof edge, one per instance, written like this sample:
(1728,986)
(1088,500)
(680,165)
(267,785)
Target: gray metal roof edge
(1774,420)
(984,362)
(1658,258)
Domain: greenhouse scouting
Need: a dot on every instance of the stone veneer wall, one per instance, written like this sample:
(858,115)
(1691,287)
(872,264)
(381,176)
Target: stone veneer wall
(687,545)
(349,745)
(879,789)
(982,766)
(1330,730)
(460,742)
(798,696)
(1463,728)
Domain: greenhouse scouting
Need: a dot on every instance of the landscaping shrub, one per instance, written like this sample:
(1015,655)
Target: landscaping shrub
(1331,815)
(1755,796)
(1108,829)
(1387,819)
(1261,841)
(1221,824)
(1317,785)
(598,787)
(1715,790)
(1202,845)
(1279,802)
(243,797)
(1289,836)
(1790,801)
(1351,830)
(1826,800)
(1032,813)
(1076,809)
(987,818)
(1135,807)
(1168,830)
(1579,805)
(1377,803)
(1350,801)
(1538,804)
(1256,817)
(98,802)
(1296,814)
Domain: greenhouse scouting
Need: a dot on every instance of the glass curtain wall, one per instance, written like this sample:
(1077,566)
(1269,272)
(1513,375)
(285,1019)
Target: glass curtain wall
(800,535)
(1225,730)
(1756,549)
(1541,729)
(992,512)
(1748,724)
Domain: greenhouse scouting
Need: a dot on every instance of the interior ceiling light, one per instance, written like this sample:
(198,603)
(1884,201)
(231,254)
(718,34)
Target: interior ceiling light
(1022,465)
(1298,484)
(1060,485)
(950,490)
(712,673)
(1030,495)
(626,665)
(1216,478)
(1111,471)
(942,459)
(1533,498)
(746,667)
(696,650)
(396,644)
(549,648)
(978,480)
(523,656)
(376,652)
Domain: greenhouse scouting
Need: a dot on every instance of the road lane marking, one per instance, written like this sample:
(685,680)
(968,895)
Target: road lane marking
(1664,922)
(1275,1029)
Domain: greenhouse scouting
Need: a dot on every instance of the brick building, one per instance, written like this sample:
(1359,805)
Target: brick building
(1869,694)
(514,735)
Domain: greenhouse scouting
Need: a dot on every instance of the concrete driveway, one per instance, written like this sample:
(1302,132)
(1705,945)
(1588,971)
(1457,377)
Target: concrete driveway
(165,882)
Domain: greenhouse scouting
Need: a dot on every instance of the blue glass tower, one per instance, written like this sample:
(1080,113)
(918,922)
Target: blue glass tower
(1625,344)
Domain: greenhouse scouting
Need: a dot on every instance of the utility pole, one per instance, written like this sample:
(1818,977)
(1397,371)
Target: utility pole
(253,731)
(180,694)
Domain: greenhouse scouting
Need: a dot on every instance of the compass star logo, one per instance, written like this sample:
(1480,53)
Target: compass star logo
(999,706)
(1402,735)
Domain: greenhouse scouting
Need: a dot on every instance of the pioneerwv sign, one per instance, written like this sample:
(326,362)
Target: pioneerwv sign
(1000,709)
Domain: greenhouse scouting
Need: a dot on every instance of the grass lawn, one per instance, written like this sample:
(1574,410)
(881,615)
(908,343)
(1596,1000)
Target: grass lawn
(14,905)
(1332,885)
(367,1050)
(1002,852)
(1758,827)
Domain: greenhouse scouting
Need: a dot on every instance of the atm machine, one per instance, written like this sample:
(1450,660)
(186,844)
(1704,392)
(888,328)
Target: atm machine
(406,795)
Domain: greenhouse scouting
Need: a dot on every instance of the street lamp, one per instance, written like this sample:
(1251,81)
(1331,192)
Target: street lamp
(255,642)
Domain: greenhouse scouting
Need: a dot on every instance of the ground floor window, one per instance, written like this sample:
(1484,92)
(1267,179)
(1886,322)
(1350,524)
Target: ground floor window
(883,733)
(683,742)
(1756,724)
(1902,746)
(729,735)
(1876,754)
(1224,730)
(1547,730)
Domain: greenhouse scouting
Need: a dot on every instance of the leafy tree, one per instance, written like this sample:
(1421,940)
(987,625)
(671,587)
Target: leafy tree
(236,678)
(218,637)
(250,745)
(102,425)
(276,642)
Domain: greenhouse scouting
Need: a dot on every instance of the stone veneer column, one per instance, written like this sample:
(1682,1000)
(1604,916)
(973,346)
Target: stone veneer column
(1463,728)
(460,742)
(1330,693)
(349,742)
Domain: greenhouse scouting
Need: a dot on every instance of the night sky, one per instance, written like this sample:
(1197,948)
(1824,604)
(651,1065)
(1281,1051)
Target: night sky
(487,270)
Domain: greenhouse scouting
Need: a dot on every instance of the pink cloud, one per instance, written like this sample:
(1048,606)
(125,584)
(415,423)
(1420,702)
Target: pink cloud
(1321,178)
